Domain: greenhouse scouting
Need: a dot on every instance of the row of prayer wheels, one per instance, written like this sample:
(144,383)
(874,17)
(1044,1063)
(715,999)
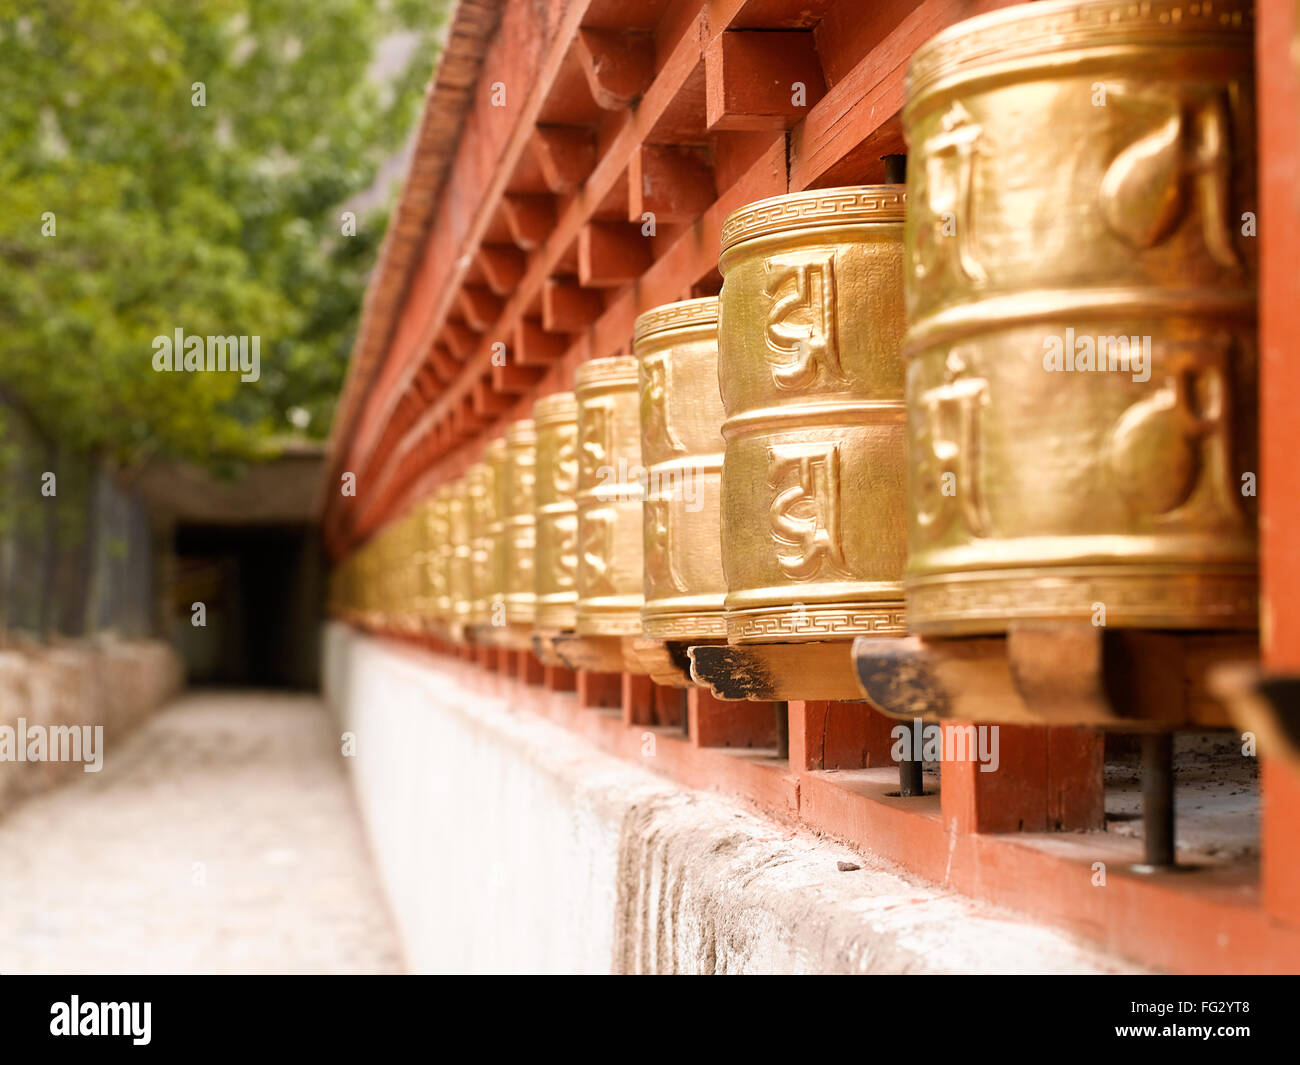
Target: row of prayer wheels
(1020,387)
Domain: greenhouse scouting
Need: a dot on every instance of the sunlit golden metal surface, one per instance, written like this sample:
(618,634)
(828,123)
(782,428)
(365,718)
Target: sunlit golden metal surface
(1080,173)
(481,482)
(403,544)
(520,528)
(461,566)
(555,418)
(437,559)
(495,457)
(810,332)
(676,346)
(608,498)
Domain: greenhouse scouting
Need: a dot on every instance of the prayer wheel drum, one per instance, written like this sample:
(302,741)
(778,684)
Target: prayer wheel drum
(681,449)
(810,366)
(460,566)
(555,418)
(609,498)
(520,529)
(437,561)
(486,528)
(1081,304)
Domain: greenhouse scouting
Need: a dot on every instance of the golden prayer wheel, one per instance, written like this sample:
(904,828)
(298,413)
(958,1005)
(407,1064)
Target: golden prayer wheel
(520,539)
(556,421)
(461,564)
(404,542)
(681,448)
(437,560)
(374,582)
(810,366)
(608,498)
(485,530)
(495,456)
(1081,300)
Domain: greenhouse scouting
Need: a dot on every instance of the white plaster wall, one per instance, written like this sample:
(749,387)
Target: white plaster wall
(507,844)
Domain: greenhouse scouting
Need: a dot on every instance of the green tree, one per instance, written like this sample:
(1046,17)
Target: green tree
(168,165)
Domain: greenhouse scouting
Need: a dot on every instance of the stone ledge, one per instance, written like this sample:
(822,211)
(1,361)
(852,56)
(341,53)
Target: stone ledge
(506,844)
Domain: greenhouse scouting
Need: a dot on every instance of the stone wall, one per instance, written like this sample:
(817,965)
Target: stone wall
(507,844)
(105,682)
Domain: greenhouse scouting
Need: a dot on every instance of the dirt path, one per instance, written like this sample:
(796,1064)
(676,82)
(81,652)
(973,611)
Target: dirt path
(220,837)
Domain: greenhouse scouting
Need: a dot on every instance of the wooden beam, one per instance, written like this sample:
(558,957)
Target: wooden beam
(845,133)
(692,254)
(776,671)
(756,79)
(667,662)
(457,234)
(1053,675)
(590,654)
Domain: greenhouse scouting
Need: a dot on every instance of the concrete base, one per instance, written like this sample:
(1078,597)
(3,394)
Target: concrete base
(507,844)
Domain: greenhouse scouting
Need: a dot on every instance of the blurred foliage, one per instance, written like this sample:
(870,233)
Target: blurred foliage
(222,219)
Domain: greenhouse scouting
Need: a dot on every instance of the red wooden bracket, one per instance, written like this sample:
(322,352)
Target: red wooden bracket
(1279,840)
(534,346)
(1047,779)
(446,367)
(530,217)
(836,735)
(753,79)
(515,380)
(714,722)
(559,679)
(599,691)
(567,307)
(488,403)
(480,306)
(503,266)
(461,340)
(672,182)
(565,154)
(618,65)
(612,254)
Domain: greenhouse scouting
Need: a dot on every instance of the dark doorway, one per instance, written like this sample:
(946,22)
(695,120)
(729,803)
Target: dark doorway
(260,590)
